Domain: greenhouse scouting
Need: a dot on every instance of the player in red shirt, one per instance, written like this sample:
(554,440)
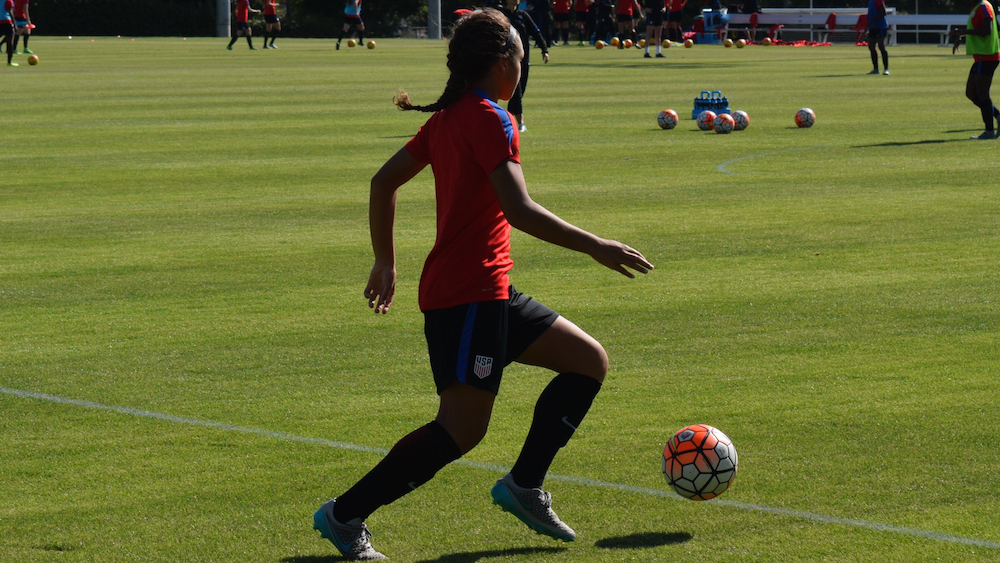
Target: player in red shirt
(243,11)
(584,21)
(7,28)
(675,12)
(272,25)
(22,25)
(654,26)
(560,16)
(475,322)
(627,11)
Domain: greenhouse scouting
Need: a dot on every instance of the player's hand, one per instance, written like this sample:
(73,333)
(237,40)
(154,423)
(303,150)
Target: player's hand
(618,257)
(545,57)
(381,287)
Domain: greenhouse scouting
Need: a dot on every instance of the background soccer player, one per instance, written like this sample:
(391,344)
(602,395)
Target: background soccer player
(22,23)
(982,43)
(352,18)
(878,28)
(271,23)
(243,11)
(7,28)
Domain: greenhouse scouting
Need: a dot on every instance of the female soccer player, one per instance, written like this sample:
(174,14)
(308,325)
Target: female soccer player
(878,28)
(981,41)
(475,322)
(243,11)
(22,21)
(7,28)
(272,25)
(352,18)
(523,25)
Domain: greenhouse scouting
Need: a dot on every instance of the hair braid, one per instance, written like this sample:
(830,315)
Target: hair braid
(478,41)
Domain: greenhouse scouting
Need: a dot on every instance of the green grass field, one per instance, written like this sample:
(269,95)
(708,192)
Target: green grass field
(188,368)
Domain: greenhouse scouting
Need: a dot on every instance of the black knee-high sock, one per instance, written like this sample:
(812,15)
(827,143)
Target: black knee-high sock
(249,41)
(233,40)
(874,59)
(26,41)
(265,37)
(986,108)
(361,37)
(559,410)
(411,463)
(885,59)
(14,46)
(274,33)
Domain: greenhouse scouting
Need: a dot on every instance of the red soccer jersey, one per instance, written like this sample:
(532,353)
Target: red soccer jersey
(464,143)
(19,6)
(243,11)
(8,7)
(561,6)
(582,6)
(269,8)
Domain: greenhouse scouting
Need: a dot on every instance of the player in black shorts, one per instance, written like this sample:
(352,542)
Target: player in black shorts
(654,26)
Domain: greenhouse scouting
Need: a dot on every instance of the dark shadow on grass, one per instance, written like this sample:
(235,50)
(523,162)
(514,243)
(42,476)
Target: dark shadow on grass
(313,559)
(645,540)
(909,143)
(473,556)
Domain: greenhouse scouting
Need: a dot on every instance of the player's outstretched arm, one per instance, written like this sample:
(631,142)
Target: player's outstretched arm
(397,171)
(525,215)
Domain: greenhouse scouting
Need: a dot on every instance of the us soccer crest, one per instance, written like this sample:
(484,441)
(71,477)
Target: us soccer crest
(483,367)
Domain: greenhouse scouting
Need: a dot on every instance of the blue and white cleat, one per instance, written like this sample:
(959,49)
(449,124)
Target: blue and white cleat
(531,506)
(351,539)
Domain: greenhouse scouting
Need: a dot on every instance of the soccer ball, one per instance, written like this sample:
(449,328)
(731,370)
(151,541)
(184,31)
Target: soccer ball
(667,119)
(723,123)
(615,42)
(741,120)
(688,43)
(666,44)
(766,41)
(371,44)
(728,43)
(351,43)
(642,43)
(805,117)
(700,462)
(706,120)
(627,43)
(33,60)
(741,43)
(599,44)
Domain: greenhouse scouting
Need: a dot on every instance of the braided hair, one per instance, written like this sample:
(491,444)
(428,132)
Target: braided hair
(478,41)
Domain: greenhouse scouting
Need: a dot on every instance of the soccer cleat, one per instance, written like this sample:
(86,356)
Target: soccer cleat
(253,48)
(886,72)
(28,51)
(521,128)
(647,56)
(338,45)
(272,46)
(874,72)
(660,56)
(531,506)
(984,136)
(13,64)
(229,47)
(351,540)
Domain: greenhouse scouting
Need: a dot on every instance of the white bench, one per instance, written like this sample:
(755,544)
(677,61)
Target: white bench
(924,23)
(812,20)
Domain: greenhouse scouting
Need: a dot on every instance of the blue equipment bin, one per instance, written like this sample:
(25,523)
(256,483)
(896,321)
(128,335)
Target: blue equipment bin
(712,101)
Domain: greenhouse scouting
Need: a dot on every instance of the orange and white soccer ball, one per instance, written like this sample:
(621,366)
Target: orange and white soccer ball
(371,44)
(667,119)
(599,44)
(723,123)
(700,462)
(728,42)
(805,117)
(741,43)
(615,42)
(627,43)
(352,43)
(741,119)
(766,41)
(32,60)
(706,120)
(688,43)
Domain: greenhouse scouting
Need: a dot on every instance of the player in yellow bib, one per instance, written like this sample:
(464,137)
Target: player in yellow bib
(982,42)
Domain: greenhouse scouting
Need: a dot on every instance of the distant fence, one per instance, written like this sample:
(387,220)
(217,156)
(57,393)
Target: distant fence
(124,17)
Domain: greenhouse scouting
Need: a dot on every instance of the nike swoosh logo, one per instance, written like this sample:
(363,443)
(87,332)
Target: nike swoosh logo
(568,423)
(412,485)
(526,506)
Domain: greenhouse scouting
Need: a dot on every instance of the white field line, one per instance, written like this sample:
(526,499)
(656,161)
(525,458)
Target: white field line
(722,167)
(663,493)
